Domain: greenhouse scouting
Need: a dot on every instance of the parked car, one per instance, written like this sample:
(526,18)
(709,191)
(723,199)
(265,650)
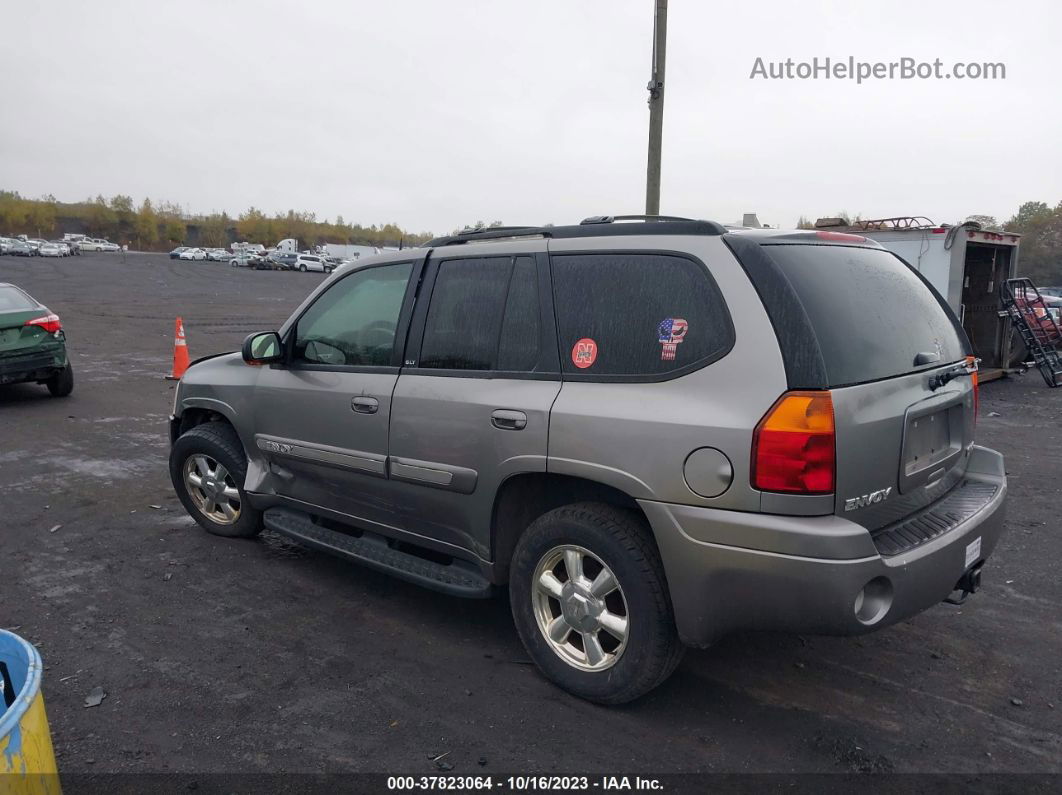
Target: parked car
(32,343)
(311,262)
(178,251)
(245,259)
(282,260)
(6,245)
(652,434)
(217,254)
(49,250)
(65,249)
(192,253)
(97,244)
(20,248)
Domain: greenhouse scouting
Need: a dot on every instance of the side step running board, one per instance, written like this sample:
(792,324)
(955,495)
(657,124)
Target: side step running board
(457,578)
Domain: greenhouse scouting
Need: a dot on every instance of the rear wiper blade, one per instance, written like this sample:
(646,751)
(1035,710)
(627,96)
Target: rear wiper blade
(958,371)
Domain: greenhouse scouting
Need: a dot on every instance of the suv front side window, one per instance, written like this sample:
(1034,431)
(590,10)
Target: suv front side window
(353,323)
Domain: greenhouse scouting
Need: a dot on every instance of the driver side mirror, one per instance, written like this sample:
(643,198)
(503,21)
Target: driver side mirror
(263,347)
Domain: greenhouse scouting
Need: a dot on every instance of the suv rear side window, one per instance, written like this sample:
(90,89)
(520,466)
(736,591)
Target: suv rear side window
(637,314)
(483,316)
(872,314)
(353,323)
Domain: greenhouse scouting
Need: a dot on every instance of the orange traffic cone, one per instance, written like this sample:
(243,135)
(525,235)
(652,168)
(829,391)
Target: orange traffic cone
(180,352)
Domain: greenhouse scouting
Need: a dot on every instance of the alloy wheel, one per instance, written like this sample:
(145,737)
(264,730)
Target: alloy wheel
(212,489)
(580,608)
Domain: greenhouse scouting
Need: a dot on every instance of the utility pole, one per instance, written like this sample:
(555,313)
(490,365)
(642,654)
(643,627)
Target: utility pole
(656,109)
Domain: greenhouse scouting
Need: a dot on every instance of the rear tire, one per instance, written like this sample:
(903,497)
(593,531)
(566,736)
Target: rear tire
(62,383)
(208,468)
(636,631)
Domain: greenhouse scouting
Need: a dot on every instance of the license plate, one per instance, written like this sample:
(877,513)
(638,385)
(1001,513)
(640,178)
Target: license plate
(973,552)
(928,441)
(9,336)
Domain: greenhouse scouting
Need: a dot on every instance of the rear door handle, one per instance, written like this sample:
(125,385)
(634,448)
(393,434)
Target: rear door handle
(365,405)
(506,420)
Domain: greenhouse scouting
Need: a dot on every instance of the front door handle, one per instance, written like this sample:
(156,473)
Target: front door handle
(365,405)
(506,420)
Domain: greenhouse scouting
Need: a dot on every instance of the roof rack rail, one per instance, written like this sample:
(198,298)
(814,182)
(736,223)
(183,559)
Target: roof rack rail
(471,231)
(608,219)
(594,226)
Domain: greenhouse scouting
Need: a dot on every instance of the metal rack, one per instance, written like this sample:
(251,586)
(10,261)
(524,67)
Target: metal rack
(1036,326)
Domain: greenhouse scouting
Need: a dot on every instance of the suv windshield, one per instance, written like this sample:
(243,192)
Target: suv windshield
(871,312)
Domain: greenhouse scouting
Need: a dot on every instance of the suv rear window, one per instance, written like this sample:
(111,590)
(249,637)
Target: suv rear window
(637,314)
(483,315)
(871,314)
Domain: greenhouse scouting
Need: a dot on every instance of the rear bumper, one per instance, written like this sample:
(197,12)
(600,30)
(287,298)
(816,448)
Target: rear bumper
(730,571)
(37,365)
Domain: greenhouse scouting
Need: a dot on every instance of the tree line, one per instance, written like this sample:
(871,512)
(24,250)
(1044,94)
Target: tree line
(1040,227)
(162,225)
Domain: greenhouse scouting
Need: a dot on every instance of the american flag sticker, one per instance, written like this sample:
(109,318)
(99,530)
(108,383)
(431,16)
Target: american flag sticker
(671,332)
(584,353)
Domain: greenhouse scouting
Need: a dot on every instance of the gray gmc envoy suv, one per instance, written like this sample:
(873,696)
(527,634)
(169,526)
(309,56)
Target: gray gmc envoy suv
(653,431)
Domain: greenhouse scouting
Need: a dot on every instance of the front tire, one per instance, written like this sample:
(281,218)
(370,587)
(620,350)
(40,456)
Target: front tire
(591,604)
(302,268)
(208,468)
(62,383)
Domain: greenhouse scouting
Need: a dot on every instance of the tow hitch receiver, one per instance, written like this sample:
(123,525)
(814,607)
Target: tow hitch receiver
(967,584)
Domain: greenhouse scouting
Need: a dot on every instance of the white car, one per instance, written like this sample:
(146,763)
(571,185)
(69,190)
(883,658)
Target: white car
(192,253)
(97,244)
(49,250)
(311,262)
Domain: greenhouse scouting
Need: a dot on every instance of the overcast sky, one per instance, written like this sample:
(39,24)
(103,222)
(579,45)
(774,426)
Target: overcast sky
(437,114)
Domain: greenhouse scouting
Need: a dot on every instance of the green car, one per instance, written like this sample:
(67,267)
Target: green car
(32,343)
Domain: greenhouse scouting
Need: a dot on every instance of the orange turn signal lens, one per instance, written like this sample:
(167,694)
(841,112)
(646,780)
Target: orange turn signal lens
(793,446)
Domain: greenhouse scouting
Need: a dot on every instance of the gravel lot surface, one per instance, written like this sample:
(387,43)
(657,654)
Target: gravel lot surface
(258,656)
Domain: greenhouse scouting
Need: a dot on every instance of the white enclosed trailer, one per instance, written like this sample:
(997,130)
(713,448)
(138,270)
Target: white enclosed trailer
(965,264)
(347,250)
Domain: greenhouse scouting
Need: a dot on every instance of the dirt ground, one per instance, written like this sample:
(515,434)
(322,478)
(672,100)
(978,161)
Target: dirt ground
(257,656)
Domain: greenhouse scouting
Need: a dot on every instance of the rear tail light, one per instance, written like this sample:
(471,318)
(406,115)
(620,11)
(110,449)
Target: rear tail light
(793,445)
(971,364)
(49,323)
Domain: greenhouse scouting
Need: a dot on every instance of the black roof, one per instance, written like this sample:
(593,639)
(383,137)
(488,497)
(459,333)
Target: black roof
(595,226)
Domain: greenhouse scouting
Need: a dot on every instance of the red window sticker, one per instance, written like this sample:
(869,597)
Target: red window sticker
(584,353)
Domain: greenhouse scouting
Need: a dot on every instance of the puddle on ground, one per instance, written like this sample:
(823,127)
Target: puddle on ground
(111,469)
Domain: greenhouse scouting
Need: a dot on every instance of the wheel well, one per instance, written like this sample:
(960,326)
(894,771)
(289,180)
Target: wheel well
(523,498)
(193,417)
